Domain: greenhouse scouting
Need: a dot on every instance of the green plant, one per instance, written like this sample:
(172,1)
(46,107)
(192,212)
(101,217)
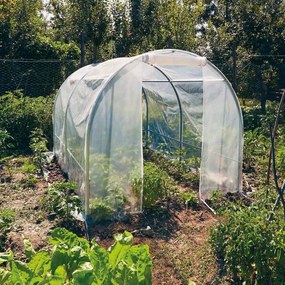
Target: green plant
(192,179)
(255,150)
(61,200)
(182,170)
(29,167)
(38,145)
(253,250)
(8,165)
(20,114)
(156,184)
(29,182)
(100,210)
(218,202)
(112,204)
(5,143)
(7,218)
(73,261)
(190,199)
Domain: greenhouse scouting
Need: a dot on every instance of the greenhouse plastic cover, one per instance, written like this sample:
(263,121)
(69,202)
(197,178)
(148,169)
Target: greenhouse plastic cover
(180,99)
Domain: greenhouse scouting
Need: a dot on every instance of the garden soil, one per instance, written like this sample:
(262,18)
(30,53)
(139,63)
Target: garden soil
(177,236)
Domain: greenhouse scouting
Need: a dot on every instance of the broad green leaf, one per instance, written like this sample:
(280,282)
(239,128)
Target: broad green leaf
(124,274)
(40,264)
(139,257)
(99,258)
(62,237)
(59,258)
(59,277)
(125,238)
(37,280)
(29,250)
(84,275)
(6,256)
(4,276)
(120,248)
(20,272)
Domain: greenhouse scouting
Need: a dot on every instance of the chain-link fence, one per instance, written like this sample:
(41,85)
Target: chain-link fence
(34,77)
(250,76)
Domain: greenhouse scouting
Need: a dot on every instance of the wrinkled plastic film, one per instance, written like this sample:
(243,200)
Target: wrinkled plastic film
(222,141)
(116,145)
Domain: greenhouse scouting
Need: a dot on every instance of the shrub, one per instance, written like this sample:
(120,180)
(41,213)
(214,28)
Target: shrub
(73,261)
(5,143)
(19,115)
(254,118)
(253,250)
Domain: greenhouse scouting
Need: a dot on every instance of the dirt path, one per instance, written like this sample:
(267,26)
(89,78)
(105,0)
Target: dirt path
(23,194)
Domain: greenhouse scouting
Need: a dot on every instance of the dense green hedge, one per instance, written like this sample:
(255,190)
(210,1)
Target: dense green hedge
(20,115)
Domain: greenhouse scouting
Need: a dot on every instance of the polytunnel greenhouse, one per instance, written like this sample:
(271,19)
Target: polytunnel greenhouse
(175,98)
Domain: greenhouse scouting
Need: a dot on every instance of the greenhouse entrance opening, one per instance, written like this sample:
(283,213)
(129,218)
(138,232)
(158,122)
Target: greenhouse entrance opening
(181,103)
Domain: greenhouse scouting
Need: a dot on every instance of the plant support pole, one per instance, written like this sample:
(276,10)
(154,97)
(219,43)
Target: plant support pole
(278,189)
(274,134)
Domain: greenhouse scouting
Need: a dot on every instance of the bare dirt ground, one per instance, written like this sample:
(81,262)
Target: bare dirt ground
(177,237)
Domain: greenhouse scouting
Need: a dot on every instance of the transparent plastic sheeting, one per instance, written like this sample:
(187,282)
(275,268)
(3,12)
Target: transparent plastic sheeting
(99,102)
(222,137)
(185,103)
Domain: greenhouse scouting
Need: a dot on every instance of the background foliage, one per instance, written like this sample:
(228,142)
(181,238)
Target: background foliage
(243,38)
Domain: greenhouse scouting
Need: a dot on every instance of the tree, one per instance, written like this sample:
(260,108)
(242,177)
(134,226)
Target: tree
(7,11)
(90,17)
(121,27)
(249,28)
(159,24)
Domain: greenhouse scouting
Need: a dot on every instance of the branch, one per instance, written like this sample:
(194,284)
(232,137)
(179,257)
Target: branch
(279,191)
(274,134)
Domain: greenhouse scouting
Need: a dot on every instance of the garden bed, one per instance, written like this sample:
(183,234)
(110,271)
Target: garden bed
(177,235)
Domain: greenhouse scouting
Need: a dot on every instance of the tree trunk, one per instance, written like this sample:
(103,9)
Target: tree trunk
(95,51)
(262,89)
(263,98)
(82,50)
(234,54)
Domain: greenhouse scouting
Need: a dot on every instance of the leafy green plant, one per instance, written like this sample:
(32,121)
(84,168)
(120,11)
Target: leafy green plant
(218,202)
(182,170)
(7,218)
(109,206)
(29,182)
(253,250)
(29,168)
(61,200)
(38,145)
(100,210)
(255,150)
(73,261)
(190,200)
(156,184)
(5,143)
(20,114)
(253,116)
